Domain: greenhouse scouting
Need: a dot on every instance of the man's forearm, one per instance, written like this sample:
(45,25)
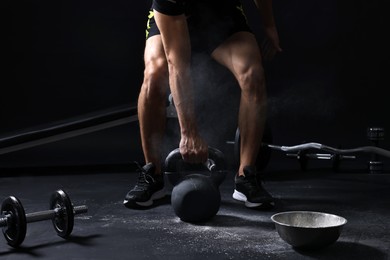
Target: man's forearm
(266,12)
(181,89)
(175,37)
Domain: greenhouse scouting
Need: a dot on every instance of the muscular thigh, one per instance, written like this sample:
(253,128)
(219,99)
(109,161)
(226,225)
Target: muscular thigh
(154,52)
(156,68)
(239,53)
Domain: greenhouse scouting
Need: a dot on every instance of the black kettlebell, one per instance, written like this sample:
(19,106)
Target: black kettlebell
(195,195)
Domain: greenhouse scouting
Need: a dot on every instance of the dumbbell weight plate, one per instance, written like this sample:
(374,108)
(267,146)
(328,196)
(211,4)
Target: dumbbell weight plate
(64,221)
(16,230)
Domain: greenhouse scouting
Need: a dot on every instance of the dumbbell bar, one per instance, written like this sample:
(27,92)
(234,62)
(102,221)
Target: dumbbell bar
(15,220)
(43,215)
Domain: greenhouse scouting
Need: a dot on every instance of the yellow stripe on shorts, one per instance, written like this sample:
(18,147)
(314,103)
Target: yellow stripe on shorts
(150,16)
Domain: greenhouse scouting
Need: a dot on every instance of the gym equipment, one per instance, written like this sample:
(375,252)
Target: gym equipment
(375,134)
(68,128)
(61,212)
(303,158)
(308,229)
(195,195)
(335,155)
(196,199)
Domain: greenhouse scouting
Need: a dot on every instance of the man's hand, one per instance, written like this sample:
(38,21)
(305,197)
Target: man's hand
(193,149)
(270,46)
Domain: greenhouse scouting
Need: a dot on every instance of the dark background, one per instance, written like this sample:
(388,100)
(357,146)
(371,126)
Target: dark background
(69,58)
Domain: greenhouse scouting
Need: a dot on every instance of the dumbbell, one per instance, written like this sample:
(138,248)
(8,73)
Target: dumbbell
(375,134)
(61,212)
(195,196)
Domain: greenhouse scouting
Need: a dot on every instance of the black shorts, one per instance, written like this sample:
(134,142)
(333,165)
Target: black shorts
(208,27)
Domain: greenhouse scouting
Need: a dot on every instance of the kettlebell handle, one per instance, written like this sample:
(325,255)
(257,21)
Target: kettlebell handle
(175,166)
(214,162)
(210,164)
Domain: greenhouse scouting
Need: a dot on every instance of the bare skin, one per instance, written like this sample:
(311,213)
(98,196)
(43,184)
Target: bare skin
(166,54)
(151,101)
(178,53)
(241,55)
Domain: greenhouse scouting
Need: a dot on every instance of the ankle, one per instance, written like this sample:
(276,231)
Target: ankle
(157,169)
(240,174)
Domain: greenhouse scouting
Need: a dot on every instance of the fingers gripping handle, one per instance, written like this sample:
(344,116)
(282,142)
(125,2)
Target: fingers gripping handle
(176,167)
(174,161)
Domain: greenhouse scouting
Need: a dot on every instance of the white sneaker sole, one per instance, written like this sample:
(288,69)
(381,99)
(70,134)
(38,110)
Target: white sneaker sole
(241,197)
(157,195)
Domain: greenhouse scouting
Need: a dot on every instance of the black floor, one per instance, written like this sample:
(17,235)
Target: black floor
(111,231)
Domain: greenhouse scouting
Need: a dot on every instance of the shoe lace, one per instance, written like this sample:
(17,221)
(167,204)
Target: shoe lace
(144,179)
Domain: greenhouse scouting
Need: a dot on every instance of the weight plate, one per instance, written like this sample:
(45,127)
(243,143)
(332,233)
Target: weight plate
(15,231)
(64,220)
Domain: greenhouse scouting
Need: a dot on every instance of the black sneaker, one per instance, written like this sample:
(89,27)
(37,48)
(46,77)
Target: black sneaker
(150,187)
(249,190)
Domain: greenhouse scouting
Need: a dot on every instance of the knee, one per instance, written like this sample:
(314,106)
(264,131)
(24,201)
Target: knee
(155,84)
(252,83)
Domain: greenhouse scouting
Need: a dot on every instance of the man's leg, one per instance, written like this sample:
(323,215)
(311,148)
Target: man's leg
(151,114)
(152,101)
(241,55)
